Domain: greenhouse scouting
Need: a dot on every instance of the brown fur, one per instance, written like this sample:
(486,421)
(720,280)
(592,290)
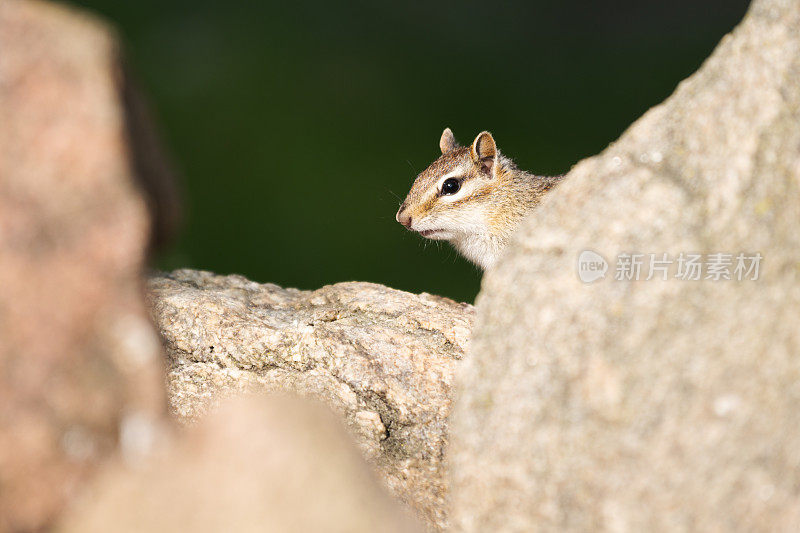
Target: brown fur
(496,195)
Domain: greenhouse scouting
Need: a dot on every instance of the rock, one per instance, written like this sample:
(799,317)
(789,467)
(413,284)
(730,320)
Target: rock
(258,464)
(384,359)
(80,364)
(651,405)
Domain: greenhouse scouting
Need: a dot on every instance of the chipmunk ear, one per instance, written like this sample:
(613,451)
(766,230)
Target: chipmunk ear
(448,141)
(484,151)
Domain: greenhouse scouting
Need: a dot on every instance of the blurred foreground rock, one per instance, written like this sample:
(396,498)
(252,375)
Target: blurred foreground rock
(84,193)
(651,405)
(257,465)
(382,358)
(80,364)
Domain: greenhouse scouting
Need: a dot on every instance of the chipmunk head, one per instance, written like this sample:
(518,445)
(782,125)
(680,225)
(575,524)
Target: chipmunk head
(450,200)
(473,197)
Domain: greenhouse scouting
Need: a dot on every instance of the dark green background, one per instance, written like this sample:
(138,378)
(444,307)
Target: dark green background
(299,127)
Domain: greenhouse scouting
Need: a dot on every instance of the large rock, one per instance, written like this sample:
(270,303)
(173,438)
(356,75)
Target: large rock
(256,465)
(384,359)
(651,405)
(80,364)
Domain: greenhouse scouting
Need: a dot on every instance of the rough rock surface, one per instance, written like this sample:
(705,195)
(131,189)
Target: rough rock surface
(382,358)
(651,405)
(80,363)
(258,464)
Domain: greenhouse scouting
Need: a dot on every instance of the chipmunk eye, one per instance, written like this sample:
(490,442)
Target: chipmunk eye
(451,186)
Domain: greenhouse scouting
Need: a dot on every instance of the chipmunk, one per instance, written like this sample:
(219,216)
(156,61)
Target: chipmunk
(473,197)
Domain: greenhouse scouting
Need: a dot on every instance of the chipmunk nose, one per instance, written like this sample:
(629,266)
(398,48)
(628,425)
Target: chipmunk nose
(403,217)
